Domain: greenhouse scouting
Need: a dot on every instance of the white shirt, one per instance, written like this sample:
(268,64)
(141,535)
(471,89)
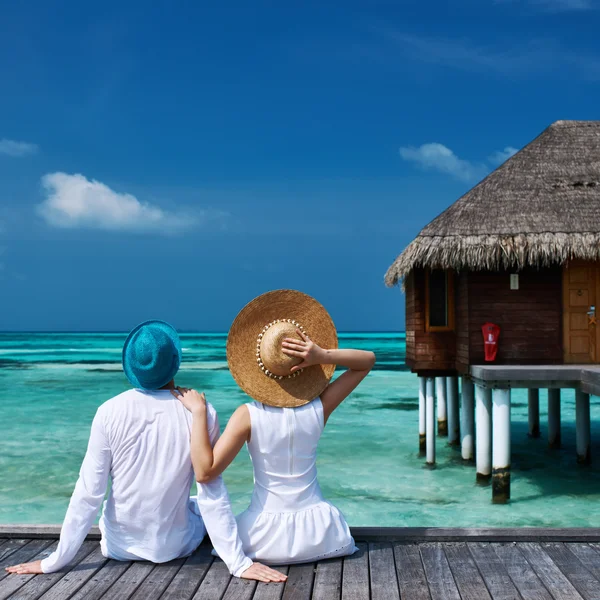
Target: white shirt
(142,440)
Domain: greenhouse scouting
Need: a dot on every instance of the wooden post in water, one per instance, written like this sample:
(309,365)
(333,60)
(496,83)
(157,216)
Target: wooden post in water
(453,419)
(440,391)
(501,446)
(467,419)
(430,420)
(422,392)
(582,427)
(483,439)
(533,397)
(554,418)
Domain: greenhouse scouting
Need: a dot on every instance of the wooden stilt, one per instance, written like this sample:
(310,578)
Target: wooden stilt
(483,423)
(430,420)
(467,419)
(533,395)
(554,418)
(453,418)
(440,391)
(582,427)
(501,446)
(422,392)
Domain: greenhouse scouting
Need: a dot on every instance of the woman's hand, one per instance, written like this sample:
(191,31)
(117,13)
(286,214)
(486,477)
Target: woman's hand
(194,401)
(26,568)
(307,350)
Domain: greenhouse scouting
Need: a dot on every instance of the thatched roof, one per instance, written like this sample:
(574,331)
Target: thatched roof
(541,207)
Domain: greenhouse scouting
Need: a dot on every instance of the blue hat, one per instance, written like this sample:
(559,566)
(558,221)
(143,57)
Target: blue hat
(151,355)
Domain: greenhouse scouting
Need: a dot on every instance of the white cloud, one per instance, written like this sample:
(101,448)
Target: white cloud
(510,59)
(556,5)
(497,158)
(437,157)
(17,149)
(73,201)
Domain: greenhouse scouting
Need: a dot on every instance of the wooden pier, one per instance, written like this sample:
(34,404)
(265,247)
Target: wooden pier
(392,564)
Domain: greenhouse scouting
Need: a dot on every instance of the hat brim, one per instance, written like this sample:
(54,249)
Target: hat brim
(173,335)
(241,348)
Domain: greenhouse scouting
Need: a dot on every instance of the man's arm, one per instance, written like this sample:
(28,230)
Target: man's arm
(84,505)
(215,508)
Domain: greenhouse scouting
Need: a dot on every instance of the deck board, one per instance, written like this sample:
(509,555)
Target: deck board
(463,569)
(520,571)
(384,582)
(466,574)
(549,573)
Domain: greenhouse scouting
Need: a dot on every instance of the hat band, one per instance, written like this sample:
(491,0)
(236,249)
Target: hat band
(259,340)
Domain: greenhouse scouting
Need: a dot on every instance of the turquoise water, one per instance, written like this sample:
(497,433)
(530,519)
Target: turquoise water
(51,385)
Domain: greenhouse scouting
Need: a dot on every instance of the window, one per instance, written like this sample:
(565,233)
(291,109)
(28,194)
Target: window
(439,305)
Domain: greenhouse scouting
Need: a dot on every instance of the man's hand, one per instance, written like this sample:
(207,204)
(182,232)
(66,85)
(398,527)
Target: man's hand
(263,573)
(308,351)
(194,401)
(27,568)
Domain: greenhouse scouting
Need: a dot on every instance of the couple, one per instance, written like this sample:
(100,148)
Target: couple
(152,440)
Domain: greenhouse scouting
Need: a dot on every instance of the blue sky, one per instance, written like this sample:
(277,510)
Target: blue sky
(175,159)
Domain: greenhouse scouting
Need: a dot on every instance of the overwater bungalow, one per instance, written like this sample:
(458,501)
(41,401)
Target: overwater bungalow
(519,254)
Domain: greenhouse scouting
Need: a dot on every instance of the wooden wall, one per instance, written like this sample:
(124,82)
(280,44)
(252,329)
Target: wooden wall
(530,319)
(425,351)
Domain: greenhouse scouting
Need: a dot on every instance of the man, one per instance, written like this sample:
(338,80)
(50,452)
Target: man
(141,438)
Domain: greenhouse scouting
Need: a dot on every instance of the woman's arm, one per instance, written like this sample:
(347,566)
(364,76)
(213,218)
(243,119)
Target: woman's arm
(358,363)
(210,462)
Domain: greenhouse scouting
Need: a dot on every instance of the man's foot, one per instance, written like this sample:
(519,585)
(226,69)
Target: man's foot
(263,573)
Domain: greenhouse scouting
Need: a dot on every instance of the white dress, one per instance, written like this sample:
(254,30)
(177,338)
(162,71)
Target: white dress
(288,520)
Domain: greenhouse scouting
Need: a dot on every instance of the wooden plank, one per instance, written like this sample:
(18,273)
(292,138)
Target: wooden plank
(328,580)
(355,575)
(47,532)
(439,576)
(523,576)
(215,582)
(588,556)
(384,582)
(410,572)
(11,546)
(466,575)
(476,534)
(550,575)
(124,587)
(190,576)
(23,554)
(103,579)
(158,580)
(580,577)
(240,589)
(493,571)
(299,583)
(36,586)
(272,591)
(77,577)
(12,582)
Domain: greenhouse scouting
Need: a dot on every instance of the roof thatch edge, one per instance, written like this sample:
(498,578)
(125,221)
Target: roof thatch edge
(493,252)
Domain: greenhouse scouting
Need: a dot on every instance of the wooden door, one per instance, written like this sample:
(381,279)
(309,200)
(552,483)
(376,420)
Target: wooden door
(580,297)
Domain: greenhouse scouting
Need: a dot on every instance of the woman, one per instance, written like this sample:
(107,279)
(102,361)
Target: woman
(274,360)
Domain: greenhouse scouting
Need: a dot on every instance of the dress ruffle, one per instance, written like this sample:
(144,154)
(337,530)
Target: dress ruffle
(308,535)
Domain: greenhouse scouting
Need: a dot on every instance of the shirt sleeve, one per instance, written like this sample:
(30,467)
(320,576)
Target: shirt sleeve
(215,508)
(86,499)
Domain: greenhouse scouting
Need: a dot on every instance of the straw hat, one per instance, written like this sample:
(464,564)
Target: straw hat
(254,348)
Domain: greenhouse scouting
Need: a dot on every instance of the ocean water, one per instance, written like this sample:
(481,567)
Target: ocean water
(51,385)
